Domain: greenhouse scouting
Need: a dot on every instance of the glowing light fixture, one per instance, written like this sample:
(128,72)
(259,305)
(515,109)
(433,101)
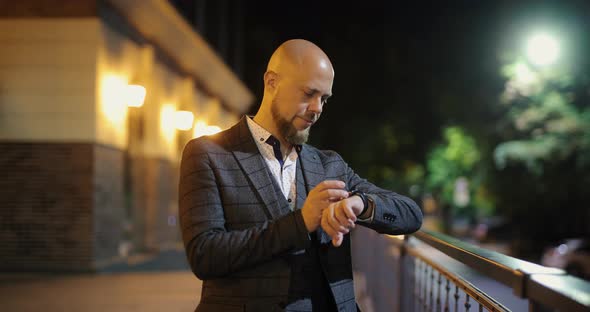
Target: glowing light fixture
(201,129)
(135,95)
(183,120)
(542,49)
(112,89)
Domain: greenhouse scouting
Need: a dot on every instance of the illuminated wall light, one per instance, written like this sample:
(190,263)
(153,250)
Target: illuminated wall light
(183,120)
(135,95)
(112,87)
(201,129)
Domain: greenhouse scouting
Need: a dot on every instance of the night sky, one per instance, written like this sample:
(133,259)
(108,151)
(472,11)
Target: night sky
(414,66)
(404,69)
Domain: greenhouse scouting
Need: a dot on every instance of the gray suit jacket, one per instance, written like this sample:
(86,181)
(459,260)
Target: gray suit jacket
(251,251)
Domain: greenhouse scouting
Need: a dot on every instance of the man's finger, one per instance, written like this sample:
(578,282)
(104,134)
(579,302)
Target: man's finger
(337,241)
(341,216)
(337,237)
(327,227)
(337,226)
(331,225)
(349,212)
(330,184)
(334,193)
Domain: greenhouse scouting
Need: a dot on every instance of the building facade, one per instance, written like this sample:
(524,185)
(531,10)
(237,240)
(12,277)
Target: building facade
(86,178)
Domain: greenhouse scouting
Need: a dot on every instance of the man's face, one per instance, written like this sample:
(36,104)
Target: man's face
(298,104)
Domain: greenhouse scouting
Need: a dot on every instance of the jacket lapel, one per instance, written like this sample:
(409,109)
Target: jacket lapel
(313,173)
(312,167)
(248,156)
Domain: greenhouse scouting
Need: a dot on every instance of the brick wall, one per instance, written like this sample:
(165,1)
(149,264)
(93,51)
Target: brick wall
(63,206)
(109,213)
(167,231)
(45,206)
(154,213)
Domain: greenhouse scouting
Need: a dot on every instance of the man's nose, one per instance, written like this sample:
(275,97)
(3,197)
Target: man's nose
(316,105)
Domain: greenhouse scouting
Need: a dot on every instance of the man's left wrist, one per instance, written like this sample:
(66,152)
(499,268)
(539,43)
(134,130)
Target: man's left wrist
(364,200)
(368,213)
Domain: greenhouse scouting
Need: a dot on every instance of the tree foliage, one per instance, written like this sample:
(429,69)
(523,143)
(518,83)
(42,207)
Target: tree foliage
(546,120)
(543,155)
(456,161)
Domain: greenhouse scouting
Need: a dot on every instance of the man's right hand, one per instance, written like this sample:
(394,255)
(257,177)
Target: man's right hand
(318,199)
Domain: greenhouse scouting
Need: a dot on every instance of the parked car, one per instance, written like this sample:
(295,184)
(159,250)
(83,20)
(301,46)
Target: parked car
(572,255)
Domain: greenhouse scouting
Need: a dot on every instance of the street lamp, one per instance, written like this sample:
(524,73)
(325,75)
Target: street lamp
(542,49)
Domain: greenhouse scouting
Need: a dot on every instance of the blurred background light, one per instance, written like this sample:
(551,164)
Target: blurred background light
(523,73)
(112,87)
(167,120)
(135,95)
(542,49)
(201,129)
(183,120)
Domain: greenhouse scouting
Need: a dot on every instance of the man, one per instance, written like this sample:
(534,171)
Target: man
(265,217)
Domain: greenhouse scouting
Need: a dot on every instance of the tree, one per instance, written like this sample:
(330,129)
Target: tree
(456,177)
(542,121)
(543,158)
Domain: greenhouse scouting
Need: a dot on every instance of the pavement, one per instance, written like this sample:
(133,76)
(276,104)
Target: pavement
(160,282)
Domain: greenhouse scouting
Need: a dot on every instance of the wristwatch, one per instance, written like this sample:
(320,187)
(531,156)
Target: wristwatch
(366,200)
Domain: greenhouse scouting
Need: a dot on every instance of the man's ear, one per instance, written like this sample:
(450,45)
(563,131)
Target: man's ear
(270,80)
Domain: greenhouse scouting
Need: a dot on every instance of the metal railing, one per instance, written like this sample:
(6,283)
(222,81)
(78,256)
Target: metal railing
(430,283)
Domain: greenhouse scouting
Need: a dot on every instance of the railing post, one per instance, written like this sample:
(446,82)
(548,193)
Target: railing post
(405,278)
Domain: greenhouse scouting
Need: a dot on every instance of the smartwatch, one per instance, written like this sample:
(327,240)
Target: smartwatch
(363,197)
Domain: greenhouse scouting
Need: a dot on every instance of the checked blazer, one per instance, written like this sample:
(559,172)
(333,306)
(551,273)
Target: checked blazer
(251,251)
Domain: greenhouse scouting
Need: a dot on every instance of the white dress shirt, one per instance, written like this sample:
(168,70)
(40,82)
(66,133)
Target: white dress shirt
(285,175)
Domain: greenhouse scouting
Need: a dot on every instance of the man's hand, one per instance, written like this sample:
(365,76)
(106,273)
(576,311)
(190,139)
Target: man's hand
(318,199)
(339,218)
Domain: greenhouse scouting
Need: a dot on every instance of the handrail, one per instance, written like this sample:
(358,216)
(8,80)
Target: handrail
(549,286)
(490,303)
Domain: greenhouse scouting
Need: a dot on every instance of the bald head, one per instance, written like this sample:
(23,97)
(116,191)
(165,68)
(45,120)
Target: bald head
(297,84)
(298,56)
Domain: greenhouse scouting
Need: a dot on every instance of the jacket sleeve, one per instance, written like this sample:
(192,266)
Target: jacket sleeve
(393,213)
(212,250)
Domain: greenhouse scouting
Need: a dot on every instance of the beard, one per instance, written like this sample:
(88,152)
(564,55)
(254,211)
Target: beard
(286,128)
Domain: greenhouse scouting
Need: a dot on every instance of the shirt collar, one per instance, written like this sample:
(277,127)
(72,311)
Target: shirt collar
(260,134)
